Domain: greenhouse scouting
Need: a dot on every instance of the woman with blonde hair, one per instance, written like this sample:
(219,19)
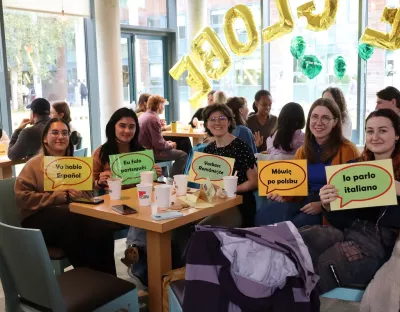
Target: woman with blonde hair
(220,97)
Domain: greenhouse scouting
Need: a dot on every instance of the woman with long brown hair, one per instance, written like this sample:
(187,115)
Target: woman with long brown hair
(359,241)
(87,242)
(324,145)
(337,96)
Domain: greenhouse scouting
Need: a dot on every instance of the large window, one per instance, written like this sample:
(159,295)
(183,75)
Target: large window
(244,77)
(383,68)
(151,13)
(287,82)
(46,58)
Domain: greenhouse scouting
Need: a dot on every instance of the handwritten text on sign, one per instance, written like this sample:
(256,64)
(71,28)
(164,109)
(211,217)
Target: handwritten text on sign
(210,166)
(61,173)
(129,165)
(287,178)
(364,184)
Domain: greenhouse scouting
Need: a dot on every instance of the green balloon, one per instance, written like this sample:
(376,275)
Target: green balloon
(365,51)
(310,66)
(340,67)
(297,47)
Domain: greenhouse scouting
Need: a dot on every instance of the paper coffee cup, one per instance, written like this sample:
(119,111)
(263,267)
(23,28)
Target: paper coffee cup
(114,188)
(181,181)
(230,185)
(146,177)
(163,194)
(144,191)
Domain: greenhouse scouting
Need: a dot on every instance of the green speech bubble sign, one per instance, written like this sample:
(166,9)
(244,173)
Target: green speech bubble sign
(129,165)
(213,167)
(361,182)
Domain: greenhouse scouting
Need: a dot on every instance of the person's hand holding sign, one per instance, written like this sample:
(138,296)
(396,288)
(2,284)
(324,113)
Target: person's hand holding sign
(313,208)
(103,177)
(275,197)
(328,194)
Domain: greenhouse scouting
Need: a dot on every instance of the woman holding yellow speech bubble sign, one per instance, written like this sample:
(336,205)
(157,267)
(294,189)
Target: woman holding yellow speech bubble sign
(87,242)
(359,240)
(219,122)
(324,145)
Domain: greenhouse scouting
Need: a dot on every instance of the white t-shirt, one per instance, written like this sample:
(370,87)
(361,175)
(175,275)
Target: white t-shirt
(347,127)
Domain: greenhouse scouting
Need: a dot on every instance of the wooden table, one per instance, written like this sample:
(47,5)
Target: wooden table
(197,136)
(158,232)
(6,166)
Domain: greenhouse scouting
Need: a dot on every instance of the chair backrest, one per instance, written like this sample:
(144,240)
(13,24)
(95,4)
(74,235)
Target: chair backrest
(81,152)
(8,206)
(26,269)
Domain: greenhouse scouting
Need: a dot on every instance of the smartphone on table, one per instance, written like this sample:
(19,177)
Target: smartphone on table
(124,209)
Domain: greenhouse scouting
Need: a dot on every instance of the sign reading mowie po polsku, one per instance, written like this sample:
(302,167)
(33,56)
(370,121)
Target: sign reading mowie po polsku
(284,177)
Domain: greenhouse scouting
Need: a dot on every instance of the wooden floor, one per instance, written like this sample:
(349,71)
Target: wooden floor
(327,305)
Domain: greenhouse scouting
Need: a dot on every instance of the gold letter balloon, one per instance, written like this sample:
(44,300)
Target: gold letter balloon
(285,24)
(217,51)
(241,11)
(322,21)
(384,40)
(195,79)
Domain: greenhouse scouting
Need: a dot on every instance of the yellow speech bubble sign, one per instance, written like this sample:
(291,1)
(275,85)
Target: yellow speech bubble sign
(3,149)
(286,178)
(61,173)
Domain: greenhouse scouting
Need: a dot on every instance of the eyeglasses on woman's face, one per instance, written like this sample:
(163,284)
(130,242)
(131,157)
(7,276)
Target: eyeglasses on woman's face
(324,119)
(220,119)
(56,133)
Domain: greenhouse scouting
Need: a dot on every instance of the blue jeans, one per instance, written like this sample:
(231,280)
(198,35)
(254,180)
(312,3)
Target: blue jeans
(272,212)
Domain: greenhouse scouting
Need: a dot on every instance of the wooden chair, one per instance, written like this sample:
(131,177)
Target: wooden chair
(9,215)
(28,279)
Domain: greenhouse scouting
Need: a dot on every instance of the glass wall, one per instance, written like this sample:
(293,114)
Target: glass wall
(46,58)
(151,13)
(125,70)
(287,82)
(149,67)
(245,76)
(383,68)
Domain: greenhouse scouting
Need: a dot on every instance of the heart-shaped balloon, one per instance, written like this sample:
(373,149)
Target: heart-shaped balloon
(297,47)
(310,66)
(365,51)
(340,67)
